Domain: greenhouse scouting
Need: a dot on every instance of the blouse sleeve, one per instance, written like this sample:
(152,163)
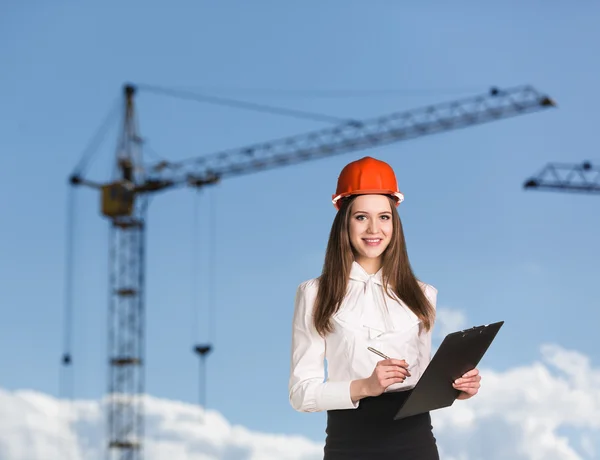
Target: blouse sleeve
(425,336)
(308,389)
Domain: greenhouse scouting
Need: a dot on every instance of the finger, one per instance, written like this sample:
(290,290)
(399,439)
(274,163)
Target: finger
(466,382)
(402,372)
(471,373)
(467,386)
(476,378)
(397,372)
(393,369)
(394,375)
(393,366)
(393,362)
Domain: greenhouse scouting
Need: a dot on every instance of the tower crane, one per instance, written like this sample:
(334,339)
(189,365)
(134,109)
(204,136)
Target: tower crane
(577,178)
(124,203)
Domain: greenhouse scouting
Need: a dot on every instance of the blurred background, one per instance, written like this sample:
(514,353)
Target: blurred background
(469,102)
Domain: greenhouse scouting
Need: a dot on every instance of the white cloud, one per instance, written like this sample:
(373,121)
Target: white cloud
(34,426)
(448,320)
(545,410)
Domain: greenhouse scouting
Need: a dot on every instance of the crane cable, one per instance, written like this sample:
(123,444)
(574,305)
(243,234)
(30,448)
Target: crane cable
(188,95)
(212,262)
(95,141)
(66,382)
(204,348)
(195,267)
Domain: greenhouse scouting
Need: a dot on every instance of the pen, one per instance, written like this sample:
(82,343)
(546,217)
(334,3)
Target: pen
(377,352)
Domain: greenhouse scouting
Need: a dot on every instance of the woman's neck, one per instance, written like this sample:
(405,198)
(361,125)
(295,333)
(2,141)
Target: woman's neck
(371,266)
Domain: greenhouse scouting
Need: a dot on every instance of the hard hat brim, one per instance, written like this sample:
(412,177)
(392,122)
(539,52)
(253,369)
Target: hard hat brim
(335,199)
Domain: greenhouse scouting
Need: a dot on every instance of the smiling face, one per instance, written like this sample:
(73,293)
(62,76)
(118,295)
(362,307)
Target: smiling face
(370,229)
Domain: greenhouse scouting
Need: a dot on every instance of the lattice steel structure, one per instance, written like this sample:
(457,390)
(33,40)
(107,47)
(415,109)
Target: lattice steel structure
(577,178)
(126,293)
(355,135)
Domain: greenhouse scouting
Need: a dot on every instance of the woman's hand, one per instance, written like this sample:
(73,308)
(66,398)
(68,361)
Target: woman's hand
(468,384)
(386,373)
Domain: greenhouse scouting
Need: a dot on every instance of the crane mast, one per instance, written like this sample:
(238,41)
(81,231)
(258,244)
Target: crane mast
(125,202)
(126,211)
(125,208)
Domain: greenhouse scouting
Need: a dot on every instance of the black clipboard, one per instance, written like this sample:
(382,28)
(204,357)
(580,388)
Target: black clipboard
(458,353)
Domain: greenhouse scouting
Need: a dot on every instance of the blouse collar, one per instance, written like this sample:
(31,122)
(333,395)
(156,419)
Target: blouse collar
(358,273)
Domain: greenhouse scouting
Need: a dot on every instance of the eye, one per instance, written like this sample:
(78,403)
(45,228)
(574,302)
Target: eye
(361,217)
(386,217)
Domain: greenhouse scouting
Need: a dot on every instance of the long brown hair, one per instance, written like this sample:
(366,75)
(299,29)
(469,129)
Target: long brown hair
(397,274)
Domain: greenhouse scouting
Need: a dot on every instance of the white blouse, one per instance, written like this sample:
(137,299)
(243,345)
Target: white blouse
(367,317)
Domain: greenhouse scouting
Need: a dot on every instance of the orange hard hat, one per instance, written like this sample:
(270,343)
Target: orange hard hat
(367,176)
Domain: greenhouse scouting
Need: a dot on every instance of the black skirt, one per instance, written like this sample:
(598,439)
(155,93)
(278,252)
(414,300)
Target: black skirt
(370,432)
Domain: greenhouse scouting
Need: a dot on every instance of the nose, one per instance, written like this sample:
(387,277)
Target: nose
(373,226)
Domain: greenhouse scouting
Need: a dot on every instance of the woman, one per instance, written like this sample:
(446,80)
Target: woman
(366,296)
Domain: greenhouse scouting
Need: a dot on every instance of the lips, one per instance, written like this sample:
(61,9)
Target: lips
(372,241)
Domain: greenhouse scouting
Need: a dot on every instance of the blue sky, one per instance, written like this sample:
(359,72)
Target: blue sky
(492,250)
